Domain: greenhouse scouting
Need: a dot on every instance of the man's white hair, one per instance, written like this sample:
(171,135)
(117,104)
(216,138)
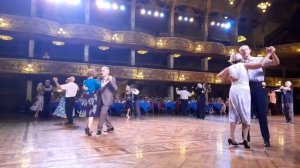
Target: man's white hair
(72,78)
(105,67)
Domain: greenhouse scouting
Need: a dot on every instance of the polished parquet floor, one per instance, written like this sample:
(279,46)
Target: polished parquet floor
(155,142)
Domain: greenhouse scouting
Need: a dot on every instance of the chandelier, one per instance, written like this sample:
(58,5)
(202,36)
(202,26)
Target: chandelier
(263,6)
(231,2)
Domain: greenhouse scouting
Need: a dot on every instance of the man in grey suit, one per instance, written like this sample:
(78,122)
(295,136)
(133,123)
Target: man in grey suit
(108,87)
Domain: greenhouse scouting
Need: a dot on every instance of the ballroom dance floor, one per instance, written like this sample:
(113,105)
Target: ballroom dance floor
(156,142)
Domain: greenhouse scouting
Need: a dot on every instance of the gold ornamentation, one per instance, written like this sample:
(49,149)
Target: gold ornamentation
(9,65)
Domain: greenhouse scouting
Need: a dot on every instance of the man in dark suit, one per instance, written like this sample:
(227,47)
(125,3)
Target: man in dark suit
(108,87)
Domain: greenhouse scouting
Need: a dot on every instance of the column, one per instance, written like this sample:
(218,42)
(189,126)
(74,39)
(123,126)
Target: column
(171,58)
(86,51)
(31,49)
(132,28)
(204,64)
(87,12)
(206,17)
(33,8)
(171,62)
(31,42)
(235,32)
(132,58)
(171,21)
(132,16)
(171,92)
(171,66)
(206,27)
(29,90)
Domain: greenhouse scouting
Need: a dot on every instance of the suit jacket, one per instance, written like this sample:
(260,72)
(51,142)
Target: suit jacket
(106,93)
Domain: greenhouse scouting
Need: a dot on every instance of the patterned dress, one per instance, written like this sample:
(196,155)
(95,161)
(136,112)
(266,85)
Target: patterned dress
(38,103)
(60,109)
(89,101)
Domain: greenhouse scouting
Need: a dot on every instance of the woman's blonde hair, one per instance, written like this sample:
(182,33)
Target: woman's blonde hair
(235,58)
(40,87)
(91,72)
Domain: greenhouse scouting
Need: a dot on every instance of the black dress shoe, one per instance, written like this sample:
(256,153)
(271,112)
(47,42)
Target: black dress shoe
(267,144)
(110,129)
(231,142)
(98,133)
(88,131)
(245,143)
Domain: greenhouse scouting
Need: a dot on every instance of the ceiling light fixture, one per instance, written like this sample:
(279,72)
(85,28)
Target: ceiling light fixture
(58,43)
(142,52)
(103,48)
(6,38)
(263,6)
(176,55)
(241,39)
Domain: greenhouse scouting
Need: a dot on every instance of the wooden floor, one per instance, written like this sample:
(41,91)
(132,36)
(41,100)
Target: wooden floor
(154,142)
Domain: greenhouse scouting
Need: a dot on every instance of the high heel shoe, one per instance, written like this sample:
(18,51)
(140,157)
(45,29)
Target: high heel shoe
(231,142)
(245,143)
(88,131)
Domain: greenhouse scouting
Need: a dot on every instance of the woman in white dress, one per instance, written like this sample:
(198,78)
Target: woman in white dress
(239,94)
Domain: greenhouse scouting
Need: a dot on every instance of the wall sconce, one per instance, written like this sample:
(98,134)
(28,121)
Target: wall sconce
(198,48)
(6,38)
(115,37)
(278,83)
(231,51)
(218,80)
(139,75)
(175,55)
(142,52)
(263,6)
(159,43)
(181,77)
(61,31)
(58,43)
(28,68)
(103,48)
(208,58)
(3,23)
(298,50)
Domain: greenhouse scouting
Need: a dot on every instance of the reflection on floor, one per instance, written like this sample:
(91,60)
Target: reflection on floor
(154,142)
